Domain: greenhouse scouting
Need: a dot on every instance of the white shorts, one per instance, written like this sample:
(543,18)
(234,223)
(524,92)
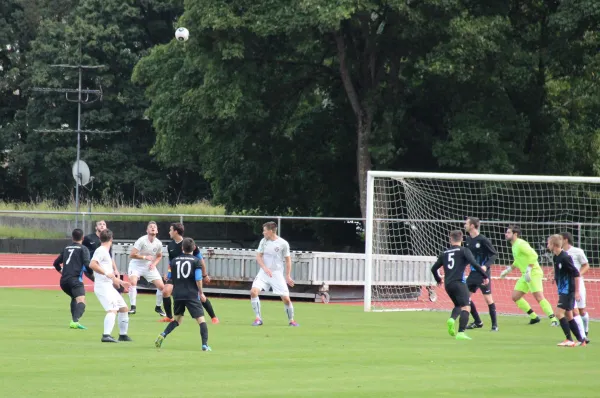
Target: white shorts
(109,297)
(277,282)
(143,270)
(581,303)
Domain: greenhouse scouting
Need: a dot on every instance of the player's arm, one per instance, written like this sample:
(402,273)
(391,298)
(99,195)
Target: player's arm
(585,266)
(570,266)
(198,276)
(57,262)
(85,260)
(288,270)
(156,261)
(435,268)
(492,253)
(471,261)
(531,256)
(135,251)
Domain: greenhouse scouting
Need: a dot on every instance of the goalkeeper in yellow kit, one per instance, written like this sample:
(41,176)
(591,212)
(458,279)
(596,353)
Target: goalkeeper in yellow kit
(526,259)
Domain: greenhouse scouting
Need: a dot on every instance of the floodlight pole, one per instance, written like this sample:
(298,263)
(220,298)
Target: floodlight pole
(80,100)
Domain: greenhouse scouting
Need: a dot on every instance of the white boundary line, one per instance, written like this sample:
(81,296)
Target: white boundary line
(43,267)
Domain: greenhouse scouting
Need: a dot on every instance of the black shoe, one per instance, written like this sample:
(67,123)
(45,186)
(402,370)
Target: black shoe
(474,325)
(494,328)
(535,320)
(107,338)
(132,310)
(160,311)
(587,341)
(124,337)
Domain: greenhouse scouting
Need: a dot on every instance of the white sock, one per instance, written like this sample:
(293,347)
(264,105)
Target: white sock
(586,322)
(256,306)
(109,322)
(289,310)
(123,323)
(132,294)
(159,298)
(579,323)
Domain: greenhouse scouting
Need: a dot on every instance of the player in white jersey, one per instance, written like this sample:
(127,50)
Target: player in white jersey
(105,282)
(580,261)
(271,254)
(145,256)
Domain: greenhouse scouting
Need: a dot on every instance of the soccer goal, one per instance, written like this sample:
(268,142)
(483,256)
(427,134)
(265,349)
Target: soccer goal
(409,216)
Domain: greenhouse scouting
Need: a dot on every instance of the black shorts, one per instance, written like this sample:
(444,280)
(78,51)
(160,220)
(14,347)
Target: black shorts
(459,294)
(566,301)
(73,287)
(476,283)
(194,307)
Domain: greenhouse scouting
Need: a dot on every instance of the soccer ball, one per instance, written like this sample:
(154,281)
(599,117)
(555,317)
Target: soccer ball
(182,34)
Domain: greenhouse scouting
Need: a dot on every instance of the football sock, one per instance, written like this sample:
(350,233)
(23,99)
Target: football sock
(579,323)
(475,314)
(109,322)
(209,308)
(204,333)
(132,295)
(526,308)
(168,306)
(256,306)
(159,297)
(586,322)
(564,324)
(289,310)
(123,323)
(492,308)
(455,312)
(575,330)
(79,310)
(73,303)
(547,308)
(463,321)
(170,327)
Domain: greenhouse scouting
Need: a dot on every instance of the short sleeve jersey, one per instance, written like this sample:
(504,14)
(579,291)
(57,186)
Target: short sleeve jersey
(102,256)
(274,253)
(146,248)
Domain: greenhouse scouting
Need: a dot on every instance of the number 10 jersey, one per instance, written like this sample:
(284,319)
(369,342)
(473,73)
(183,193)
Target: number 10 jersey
(184,271)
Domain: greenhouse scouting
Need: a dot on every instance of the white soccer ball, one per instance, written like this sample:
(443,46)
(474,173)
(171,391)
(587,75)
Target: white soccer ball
(182,34)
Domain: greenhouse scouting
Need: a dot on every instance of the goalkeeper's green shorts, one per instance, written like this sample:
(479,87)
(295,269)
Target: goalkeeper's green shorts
(534,286)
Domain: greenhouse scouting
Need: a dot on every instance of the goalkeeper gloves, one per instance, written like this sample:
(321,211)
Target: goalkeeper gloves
(528,275)
(505,272)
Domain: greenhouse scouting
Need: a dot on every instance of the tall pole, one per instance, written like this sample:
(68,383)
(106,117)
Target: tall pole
(78,179)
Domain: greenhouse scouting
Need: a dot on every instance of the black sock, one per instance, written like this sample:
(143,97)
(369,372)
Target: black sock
(455,312)
(551,316)
(168,307)
(464,319)
(564,324)
(208,307)
(492,308)
(529,312)
(170,327)
(475,314)
(575,330)
(73,303)
(79,310)
(204,333)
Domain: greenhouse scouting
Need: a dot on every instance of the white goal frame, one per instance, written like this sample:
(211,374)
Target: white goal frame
(372,175)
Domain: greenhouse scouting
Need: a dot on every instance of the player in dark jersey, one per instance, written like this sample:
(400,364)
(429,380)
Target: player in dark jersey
(455,259)
(75,260)
(485,254)
(186,276)
(174,249)
(92,242)
(566,277)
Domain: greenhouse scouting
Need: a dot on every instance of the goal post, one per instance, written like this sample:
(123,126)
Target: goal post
(409,216)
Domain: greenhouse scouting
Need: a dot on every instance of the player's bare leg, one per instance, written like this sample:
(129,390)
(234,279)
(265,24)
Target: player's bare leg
(123,318)
(255,301)
(462,323)
(517,297)
(289,310)
(546,307)
(77,310)
(133,281)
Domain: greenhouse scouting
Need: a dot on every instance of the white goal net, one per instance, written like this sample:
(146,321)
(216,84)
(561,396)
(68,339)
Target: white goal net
(410,215)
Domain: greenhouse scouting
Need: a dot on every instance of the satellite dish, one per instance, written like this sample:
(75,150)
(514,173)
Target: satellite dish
(84,173)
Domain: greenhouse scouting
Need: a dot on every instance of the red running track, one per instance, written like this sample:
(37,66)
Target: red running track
(35,271)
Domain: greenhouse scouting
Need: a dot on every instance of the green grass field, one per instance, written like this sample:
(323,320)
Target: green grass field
(338,351)
(28,233)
